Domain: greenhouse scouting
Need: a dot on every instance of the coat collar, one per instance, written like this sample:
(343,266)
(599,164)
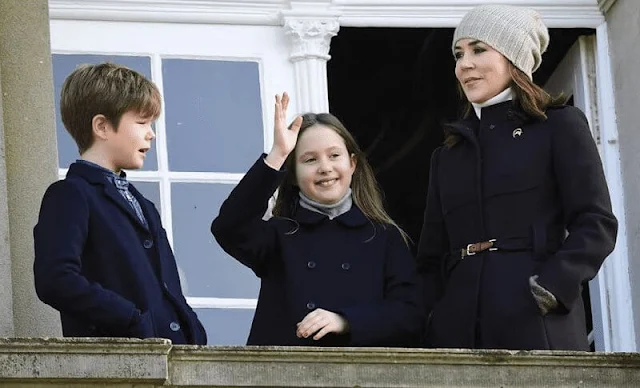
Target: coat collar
(504,112)
(96,176)
(501,113)
(352,218)
(89,173)
(505,95)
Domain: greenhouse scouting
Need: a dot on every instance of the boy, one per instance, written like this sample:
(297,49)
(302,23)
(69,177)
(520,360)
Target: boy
(102,257)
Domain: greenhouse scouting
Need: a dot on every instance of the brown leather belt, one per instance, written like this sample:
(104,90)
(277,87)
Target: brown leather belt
(474,248)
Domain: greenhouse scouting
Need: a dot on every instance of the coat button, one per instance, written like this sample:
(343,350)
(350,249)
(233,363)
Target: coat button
(174,326)
(492,126)
(311,264)
(147,243)
(311,305)
(346,266)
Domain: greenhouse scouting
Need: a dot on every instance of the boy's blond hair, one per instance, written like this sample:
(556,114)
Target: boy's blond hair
(108,89)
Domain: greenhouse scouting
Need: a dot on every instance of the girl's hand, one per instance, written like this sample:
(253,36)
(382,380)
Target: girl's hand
(284,139)
(321,322)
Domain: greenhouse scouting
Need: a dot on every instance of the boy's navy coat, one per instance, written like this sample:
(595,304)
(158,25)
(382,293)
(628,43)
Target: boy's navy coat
(97,263)
(344,265)
(538,188)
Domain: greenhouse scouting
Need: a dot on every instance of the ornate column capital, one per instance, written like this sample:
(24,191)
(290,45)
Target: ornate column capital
(310,36)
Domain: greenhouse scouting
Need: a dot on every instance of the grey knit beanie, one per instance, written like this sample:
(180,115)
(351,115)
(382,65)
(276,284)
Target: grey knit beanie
(517,33)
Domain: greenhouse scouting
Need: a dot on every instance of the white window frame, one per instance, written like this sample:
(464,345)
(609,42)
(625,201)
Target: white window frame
(575,76)
(263,45)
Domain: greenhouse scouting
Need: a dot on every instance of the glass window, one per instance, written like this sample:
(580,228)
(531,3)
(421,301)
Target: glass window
(213,129)
(208,270)
(226,326)
(213,114)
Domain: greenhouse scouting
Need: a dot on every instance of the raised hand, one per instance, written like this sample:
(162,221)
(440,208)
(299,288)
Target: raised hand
(321,322)
(284,138)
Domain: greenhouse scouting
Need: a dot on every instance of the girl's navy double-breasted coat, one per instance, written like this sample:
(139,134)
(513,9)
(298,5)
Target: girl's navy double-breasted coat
(537,188)
(107,273)
(346,265)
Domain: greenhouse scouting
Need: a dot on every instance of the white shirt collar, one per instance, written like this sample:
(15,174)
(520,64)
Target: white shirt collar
(503,96)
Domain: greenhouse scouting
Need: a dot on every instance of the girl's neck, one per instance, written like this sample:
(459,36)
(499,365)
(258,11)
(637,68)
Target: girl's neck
(503,96)
(332,210)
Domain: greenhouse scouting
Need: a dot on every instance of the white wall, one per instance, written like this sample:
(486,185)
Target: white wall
(624,41)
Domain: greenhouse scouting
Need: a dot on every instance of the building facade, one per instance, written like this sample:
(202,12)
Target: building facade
(218,65)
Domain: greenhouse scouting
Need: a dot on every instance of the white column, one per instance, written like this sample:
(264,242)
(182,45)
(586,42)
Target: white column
(310,37)
(615,278)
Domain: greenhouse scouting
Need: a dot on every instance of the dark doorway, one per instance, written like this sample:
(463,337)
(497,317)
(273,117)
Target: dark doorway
(393,88)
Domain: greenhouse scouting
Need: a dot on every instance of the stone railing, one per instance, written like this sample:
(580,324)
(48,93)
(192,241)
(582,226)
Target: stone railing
(81,362)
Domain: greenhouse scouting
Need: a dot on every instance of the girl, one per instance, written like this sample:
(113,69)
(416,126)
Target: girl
(518,215)
(335,269)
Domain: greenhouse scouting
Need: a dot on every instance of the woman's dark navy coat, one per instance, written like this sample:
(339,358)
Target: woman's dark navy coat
(538,188)
(345,265)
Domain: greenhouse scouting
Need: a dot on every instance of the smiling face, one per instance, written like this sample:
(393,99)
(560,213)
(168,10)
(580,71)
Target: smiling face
(324,167)
(482,71)
(128,145)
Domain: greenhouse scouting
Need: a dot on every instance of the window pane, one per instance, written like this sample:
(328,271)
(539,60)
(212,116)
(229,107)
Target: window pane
(63,65)
(226,326)
(213,114)
(150,190)
(208,270)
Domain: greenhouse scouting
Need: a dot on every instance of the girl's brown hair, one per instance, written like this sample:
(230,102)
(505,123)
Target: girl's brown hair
(529,98)
(364,187)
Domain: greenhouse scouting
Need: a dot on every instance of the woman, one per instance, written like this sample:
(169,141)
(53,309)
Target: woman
(518,215)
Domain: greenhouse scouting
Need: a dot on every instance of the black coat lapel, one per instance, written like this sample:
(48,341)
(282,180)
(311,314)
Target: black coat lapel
(96,177)
(147,209)
(113,194)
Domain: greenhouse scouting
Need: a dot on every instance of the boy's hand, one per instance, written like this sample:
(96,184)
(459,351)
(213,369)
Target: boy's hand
(284,139)
(321,322)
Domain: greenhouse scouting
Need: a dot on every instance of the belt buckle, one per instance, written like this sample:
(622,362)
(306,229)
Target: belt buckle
(468,252)
(493,248)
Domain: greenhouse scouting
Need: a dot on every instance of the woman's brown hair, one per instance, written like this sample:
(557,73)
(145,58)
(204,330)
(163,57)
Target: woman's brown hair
(365,191)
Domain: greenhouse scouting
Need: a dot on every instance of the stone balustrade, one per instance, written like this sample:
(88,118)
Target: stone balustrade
(82,362)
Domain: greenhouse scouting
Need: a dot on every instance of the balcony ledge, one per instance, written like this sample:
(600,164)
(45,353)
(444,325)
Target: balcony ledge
(114,362)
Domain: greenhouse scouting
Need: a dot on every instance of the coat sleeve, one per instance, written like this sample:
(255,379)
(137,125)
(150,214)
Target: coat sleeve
(397,320)
(434,241)
(59,240)
(239,227)
(586,207)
